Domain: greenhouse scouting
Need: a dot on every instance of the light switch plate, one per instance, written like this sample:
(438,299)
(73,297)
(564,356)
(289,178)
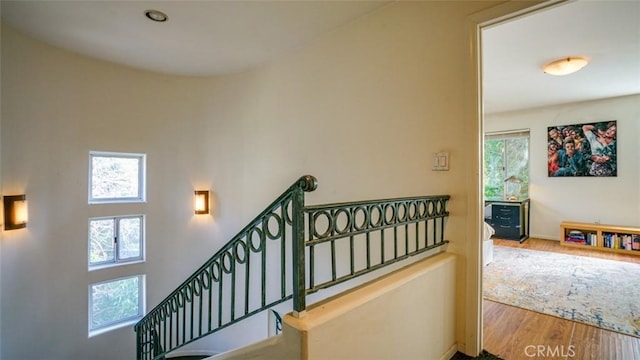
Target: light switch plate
(440,161)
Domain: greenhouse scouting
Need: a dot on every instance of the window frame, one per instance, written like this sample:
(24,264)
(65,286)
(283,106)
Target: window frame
(116,253)
(142,161)
(142,300)
(504,136)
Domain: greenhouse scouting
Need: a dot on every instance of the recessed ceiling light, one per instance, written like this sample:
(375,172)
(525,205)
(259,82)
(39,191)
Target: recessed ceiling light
(565,66)
(156,15)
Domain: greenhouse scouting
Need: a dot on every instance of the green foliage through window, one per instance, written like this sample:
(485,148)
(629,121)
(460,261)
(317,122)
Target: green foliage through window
(101,241)
(505,156)
(116,239)
(116,301)
(116,177)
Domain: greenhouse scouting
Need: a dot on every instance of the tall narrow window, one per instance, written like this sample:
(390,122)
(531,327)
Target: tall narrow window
(116,177)
(506,155)
(116,303)
(115,240)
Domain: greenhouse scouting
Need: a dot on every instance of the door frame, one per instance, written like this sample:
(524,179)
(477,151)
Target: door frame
(473,339)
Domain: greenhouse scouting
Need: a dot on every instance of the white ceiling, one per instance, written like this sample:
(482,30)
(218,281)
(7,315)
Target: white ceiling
(200,38)
(203,38)
(606,32)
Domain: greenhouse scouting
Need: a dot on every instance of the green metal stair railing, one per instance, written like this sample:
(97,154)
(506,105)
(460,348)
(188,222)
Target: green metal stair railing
(369,235)
(240,279)
(219,293)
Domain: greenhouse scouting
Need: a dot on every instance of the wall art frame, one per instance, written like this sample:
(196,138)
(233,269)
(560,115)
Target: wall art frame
(587,149)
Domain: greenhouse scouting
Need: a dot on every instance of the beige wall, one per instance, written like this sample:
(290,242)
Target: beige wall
(362,108)
(409,315)
(553,200)
(395,317)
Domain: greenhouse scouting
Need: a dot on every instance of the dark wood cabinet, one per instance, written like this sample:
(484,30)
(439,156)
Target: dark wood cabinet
(510,219)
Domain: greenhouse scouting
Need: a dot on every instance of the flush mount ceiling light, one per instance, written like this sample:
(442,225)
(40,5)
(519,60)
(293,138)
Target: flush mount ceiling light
(565,66)
(156,15)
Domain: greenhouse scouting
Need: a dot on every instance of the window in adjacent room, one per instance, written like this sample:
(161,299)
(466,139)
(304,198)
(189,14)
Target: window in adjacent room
(116,303)
(115,240)
(506,154)
(116,177)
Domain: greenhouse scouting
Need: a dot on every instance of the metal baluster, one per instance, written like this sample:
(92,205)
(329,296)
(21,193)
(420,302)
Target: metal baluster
(283,251)
(417,224)
(406,239)
(170,326)
(247,278)
(442,229)
(312,256)
(382,245)
(395,231)
(200,308)
(141,339)
(210,305)
(263,242)
(395,242)
(191,313)
(351,255)
(368,250)
(233,288)
(220,295)
(333,260)
(184,317)
(435,230)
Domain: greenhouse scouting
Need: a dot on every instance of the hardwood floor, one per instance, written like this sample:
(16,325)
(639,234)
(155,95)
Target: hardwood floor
(513,333)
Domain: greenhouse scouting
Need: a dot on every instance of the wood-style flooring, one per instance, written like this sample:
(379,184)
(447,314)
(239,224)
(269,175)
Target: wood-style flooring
(513,333)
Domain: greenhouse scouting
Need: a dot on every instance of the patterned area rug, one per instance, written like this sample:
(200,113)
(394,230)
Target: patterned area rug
(598,292)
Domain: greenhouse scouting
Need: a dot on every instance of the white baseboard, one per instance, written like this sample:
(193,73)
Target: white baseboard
(450,352)
(544,237)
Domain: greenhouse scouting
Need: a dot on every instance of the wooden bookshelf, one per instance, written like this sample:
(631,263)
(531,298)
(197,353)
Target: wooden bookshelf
(612,238)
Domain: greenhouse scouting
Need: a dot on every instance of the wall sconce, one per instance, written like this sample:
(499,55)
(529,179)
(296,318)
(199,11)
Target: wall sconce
(201,202)
(15,212)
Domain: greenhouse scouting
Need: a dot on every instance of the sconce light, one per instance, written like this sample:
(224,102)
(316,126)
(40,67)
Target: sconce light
(201,202)
(15,212)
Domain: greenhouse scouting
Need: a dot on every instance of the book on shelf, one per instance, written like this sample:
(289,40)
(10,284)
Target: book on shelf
(625,242)
(578,237)
(573,241)
(605,237)
(621,241)
(575,237)
(610,240)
